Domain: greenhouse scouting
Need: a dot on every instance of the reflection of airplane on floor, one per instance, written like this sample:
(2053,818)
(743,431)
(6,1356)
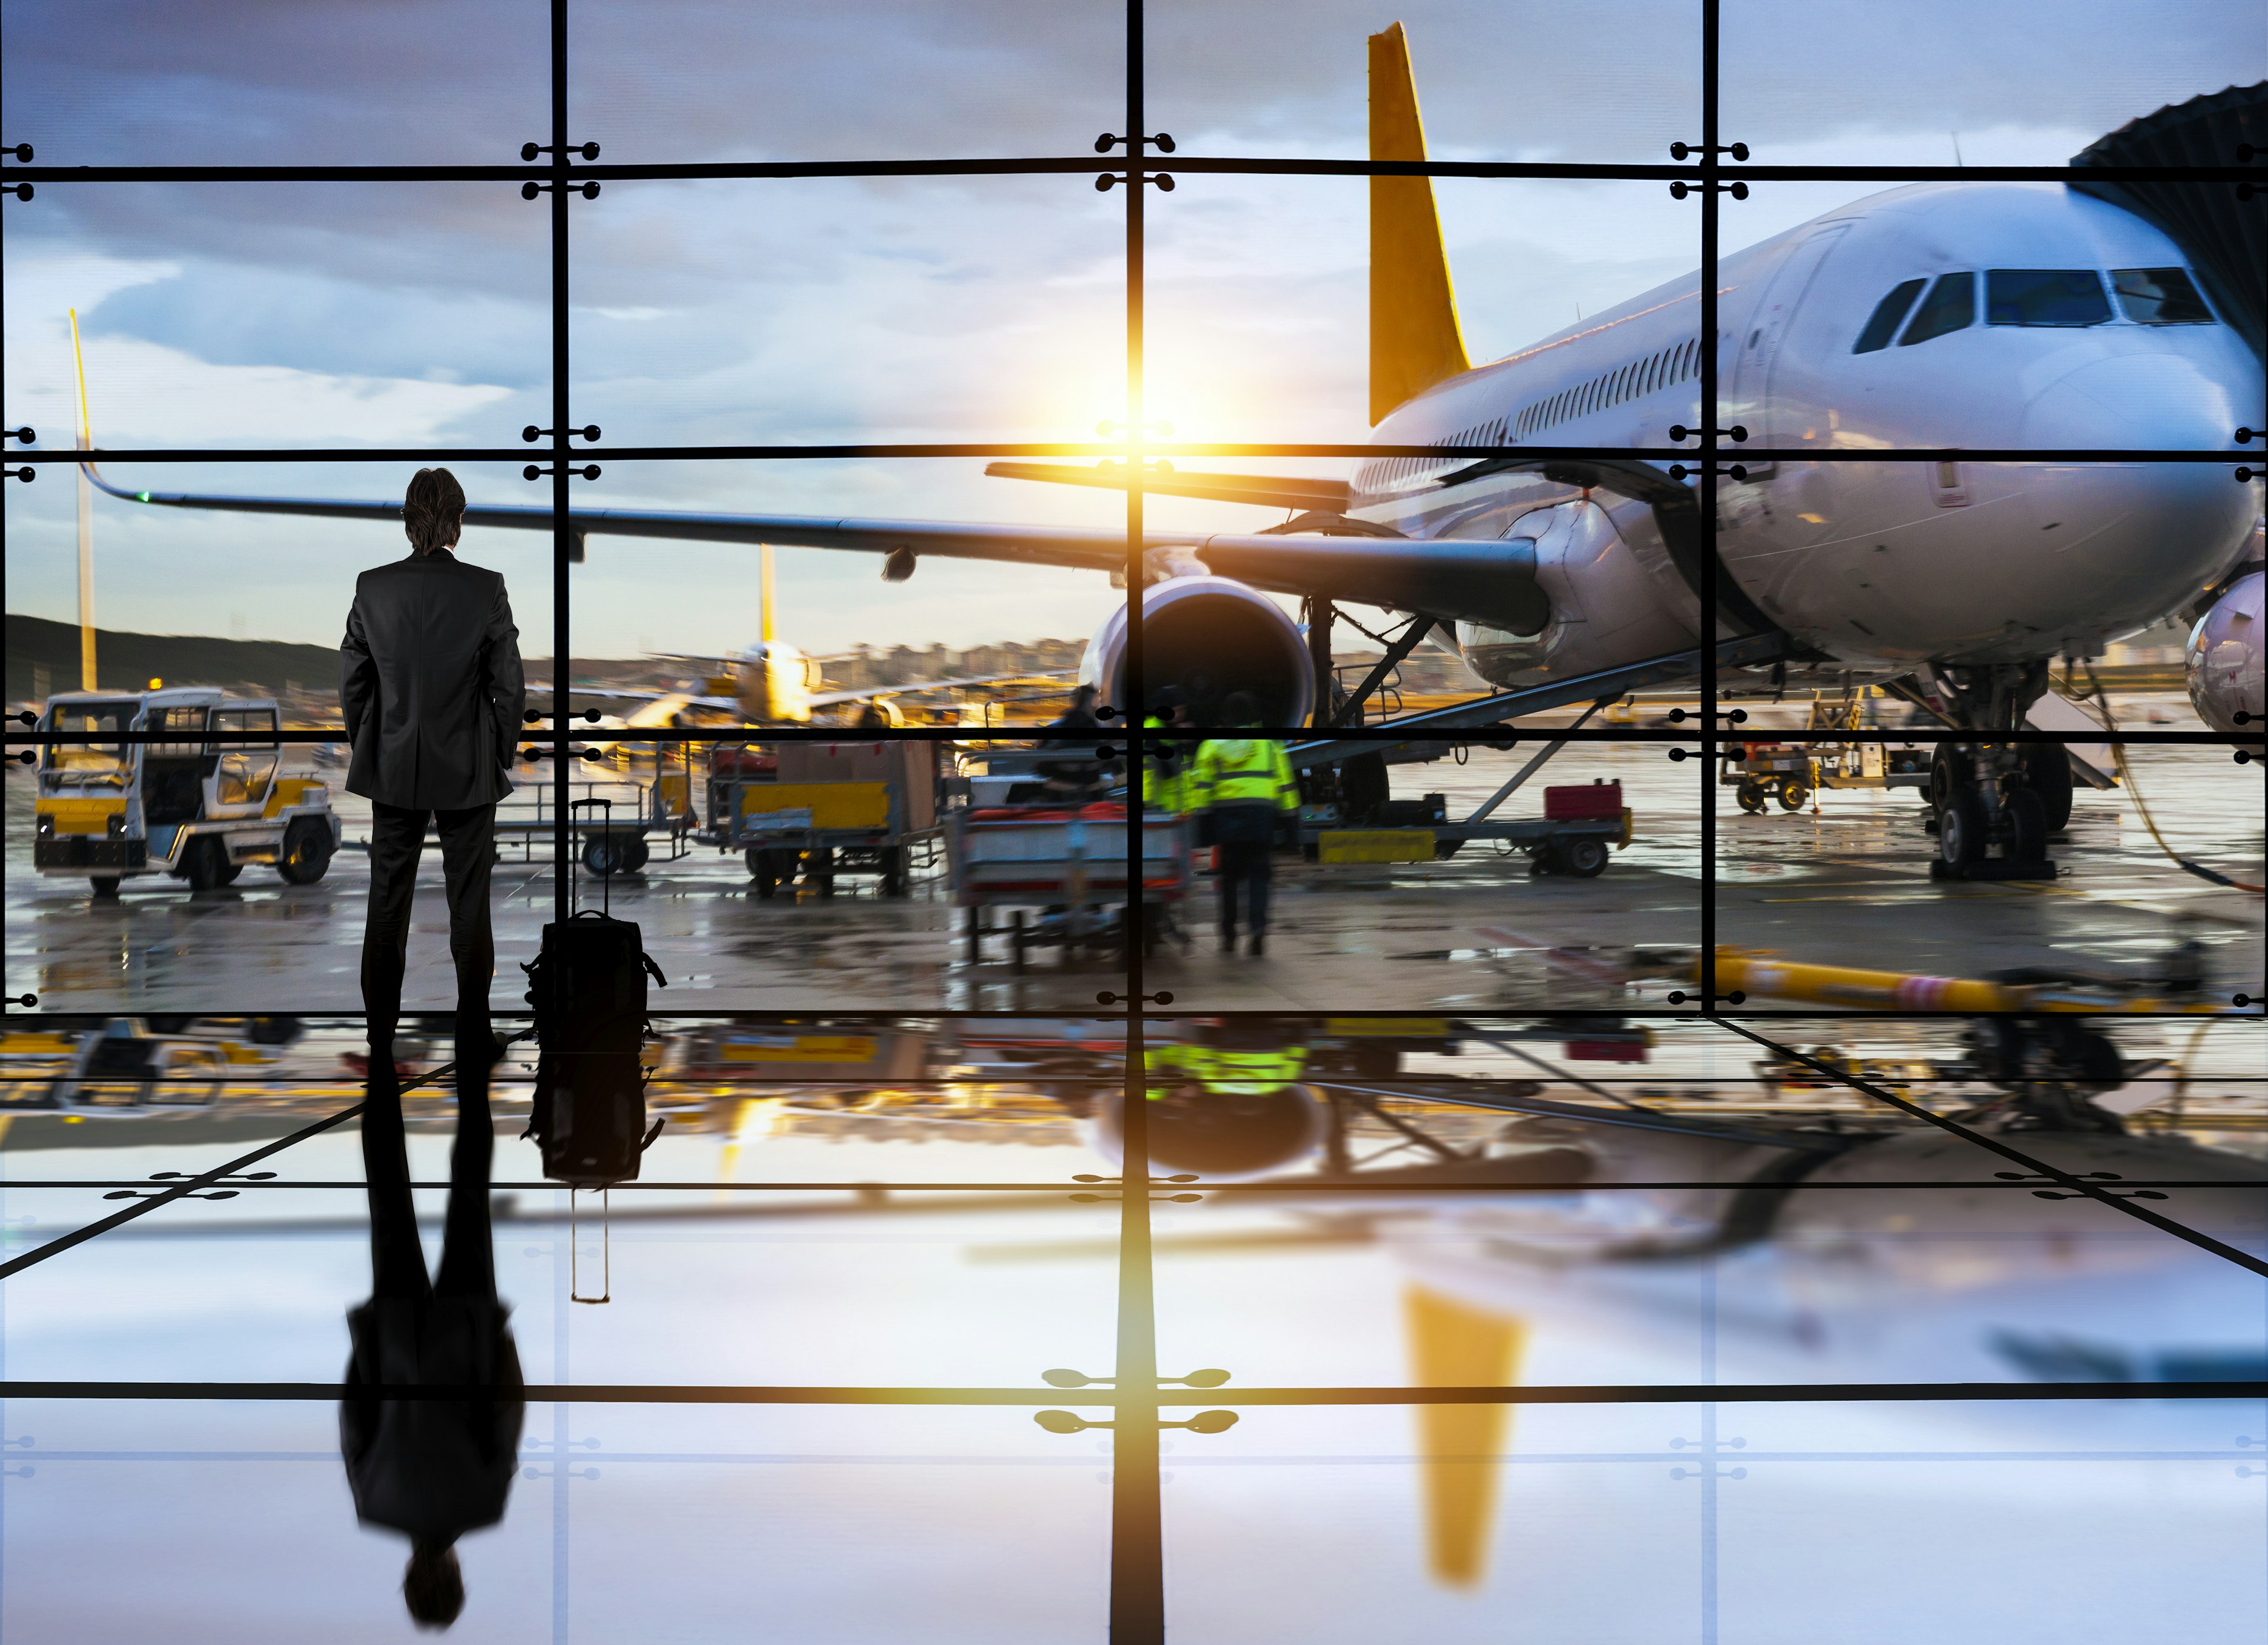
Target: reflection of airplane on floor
(1984,316)
(1784,1250)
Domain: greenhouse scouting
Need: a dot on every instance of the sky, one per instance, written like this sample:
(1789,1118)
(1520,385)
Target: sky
(842,311)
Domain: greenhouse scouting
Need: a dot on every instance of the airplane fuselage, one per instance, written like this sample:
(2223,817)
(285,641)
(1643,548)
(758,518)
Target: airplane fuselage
(2043,339)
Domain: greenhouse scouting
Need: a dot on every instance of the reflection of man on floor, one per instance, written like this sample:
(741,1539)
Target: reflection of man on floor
(431,1470)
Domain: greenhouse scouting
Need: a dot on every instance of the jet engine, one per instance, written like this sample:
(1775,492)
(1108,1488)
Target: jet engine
(1209,635)
(2223,659)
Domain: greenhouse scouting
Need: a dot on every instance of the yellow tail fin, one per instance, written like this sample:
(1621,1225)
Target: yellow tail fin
(1415,342)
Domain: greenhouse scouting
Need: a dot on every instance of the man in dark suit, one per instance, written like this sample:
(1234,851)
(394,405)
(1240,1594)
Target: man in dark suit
(430,683)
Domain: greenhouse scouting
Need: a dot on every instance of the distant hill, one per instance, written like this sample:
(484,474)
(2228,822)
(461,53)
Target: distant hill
(127,662)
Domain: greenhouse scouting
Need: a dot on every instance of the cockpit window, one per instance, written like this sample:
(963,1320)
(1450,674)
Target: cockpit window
(2160,296)
(1888,313)
(2045,297)
(1951,306)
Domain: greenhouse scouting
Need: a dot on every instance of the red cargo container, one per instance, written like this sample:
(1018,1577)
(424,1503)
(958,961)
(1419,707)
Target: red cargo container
(1596,801)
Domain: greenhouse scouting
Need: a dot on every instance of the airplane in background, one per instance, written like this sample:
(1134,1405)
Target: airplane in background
(1938,316)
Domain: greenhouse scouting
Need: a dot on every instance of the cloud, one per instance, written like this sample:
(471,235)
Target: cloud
(892,310)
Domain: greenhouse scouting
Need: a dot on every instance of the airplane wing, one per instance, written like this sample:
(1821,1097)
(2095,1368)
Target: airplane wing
(1481,580)
(867,693)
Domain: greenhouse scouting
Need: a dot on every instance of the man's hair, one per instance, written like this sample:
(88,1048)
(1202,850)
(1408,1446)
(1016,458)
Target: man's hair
(1240,708)
(433,510)
(433,1587)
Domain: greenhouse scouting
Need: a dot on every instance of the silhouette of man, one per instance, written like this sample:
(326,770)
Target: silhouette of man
(430,1469)
(431,685)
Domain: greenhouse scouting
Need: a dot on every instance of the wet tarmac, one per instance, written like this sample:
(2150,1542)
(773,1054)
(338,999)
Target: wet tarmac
(1847,885)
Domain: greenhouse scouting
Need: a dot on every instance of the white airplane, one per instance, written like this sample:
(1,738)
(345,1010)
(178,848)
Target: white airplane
(1991,316)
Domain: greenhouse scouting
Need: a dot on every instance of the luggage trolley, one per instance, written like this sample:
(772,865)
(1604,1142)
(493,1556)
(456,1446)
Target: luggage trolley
(1071,866)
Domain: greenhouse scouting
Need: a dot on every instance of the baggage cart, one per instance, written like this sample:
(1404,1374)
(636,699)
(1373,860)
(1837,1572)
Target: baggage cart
(1070,866)
(818,810)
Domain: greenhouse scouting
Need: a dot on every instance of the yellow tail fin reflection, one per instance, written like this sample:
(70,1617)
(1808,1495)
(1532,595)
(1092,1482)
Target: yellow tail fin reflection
(1453,1346)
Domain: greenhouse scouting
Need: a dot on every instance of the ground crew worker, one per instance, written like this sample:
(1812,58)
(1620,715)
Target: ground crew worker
(1165,777)
(1245,784)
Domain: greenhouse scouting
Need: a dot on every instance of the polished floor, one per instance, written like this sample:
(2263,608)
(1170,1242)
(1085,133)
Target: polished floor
(753,1259)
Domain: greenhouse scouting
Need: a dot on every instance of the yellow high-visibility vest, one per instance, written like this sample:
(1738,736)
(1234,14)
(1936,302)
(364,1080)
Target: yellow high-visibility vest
(1232,768)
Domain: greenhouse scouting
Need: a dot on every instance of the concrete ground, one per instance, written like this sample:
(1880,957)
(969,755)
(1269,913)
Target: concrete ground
(1847,885)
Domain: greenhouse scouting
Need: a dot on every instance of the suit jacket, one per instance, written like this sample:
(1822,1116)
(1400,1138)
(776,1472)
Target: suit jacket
(431,684)
(430,1469)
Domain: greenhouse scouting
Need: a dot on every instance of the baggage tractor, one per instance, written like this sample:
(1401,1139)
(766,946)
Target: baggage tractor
(587,987)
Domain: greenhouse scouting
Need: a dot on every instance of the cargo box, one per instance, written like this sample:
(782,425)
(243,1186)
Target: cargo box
(1589,802)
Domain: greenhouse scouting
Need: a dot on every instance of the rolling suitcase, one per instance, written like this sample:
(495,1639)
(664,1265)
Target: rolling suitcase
(587,988)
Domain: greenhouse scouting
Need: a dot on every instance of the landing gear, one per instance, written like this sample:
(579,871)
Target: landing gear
(1988,793)
(2048,770)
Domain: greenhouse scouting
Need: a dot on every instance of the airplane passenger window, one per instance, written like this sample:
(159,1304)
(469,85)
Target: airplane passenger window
(2160,296)
(2045,297)
(1951,306)
(1888,313)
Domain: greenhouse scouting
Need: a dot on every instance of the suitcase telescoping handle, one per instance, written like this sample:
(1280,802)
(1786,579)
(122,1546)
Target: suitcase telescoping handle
(575,854)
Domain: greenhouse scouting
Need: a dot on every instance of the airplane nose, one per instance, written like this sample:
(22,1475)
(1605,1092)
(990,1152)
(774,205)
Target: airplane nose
(2144,402)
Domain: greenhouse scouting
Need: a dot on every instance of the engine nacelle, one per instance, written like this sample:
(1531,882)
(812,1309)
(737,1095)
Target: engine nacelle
(2223,659)
(1209,635)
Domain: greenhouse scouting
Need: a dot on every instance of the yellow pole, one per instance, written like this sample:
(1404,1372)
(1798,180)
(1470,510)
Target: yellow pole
(1846,986)
(764,612)
(85,526)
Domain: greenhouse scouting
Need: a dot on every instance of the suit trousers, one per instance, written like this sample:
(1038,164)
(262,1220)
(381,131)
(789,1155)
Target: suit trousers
(397,839)
(1249,863)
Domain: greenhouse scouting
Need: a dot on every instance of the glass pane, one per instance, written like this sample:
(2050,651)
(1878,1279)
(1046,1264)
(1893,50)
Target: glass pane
(243,1508)
(1232,80)
(213,315)
(833,312)
(1860,897)
(790,1172)
(462,82)
(683,81)
(1808,86)
(1752,1519)
(1415,876)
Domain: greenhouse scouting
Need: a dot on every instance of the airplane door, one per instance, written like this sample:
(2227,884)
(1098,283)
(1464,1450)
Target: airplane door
(1773,417)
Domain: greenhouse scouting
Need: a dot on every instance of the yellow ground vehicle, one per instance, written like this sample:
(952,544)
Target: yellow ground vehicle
(184,803)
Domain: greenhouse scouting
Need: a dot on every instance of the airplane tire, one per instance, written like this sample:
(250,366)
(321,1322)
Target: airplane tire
(1961,827)
(306,854)
(106,885)
(1751,796)
(2027,826)
(1794,795)
(2048,769)
(1586,859)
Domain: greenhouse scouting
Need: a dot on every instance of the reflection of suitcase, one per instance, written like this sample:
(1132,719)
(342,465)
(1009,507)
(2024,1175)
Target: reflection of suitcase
(587,988)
